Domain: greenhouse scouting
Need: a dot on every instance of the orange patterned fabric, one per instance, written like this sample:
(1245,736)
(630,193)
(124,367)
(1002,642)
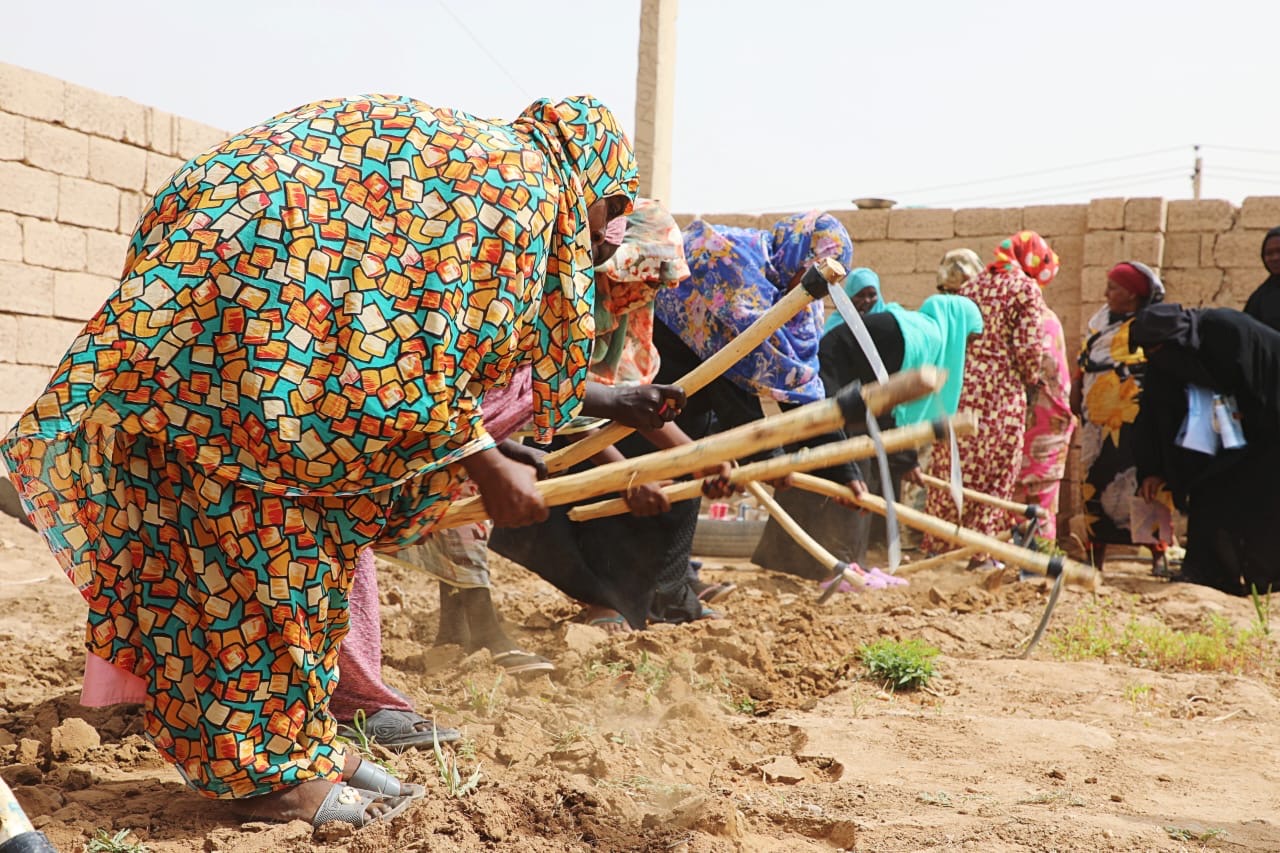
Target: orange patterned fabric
(650,258)
(308,316)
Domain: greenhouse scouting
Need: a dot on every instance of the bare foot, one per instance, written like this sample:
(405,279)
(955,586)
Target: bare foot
(608,620)
(300,802)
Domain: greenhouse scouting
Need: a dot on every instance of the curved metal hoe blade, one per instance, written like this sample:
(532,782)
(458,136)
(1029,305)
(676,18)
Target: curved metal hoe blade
(1048,614)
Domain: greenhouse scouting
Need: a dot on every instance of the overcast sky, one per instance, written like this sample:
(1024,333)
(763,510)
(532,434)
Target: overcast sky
(779,105)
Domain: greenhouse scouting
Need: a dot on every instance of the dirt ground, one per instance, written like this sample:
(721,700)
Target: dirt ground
(759,732)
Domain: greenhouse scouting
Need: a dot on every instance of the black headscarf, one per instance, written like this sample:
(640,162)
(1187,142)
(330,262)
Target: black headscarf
(1264,303)
(1170,337)
(1274,232)
(1165,323)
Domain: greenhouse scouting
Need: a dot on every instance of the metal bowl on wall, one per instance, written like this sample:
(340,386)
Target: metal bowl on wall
(874,203)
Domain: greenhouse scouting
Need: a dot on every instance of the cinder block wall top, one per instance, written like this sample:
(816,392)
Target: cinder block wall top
(1208,252)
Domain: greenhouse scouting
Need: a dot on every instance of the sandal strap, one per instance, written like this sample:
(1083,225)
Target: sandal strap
(374,777)
(346,804)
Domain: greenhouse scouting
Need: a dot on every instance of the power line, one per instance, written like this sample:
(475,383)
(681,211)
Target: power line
(819,204)
(497,62)
(976,182)
(1073,186)
(1239,179)
(1039,172)
(1011,196)
(1268,151)
(1125,184)
(1261,173)
(1046,192)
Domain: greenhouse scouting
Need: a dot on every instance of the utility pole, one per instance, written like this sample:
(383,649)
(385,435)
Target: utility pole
(1196,174)
(655,96)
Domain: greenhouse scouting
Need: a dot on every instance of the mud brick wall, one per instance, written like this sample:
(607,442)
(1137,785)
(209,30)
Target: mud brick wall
(76,167)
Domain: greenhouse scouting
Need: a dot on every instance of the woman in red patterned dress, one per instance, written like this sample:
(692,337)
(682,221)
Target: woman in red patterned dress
(1003,364)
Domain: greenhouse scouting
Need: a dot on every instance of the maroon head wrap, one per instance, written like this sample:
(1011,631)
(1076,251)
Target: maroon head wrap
(1131,279)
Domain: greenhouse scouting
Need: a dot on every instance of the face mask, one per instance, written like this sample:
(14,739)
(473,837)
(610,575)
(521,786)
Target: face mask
(615,231)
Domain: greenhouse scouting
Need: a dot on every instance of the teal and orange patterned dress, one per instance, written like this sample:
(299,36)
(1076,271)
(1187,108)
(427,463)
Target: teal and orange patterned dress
(308,316)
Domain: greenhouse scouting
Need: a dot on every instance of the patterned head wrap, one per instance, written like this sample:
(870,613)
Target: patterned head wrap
(805,238)
(1028,253)
(594,160)
(651,258)
(636,271)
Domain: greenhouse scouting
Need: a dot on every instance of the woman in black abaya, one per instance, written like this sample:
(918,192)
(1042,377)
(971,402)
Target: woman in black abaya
(1264,303)
(1229,494)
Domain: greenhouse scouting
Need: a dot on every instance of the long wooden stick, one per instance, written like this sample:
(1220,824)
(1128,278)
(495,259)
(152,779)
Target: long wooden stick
(939,560)
(1042,564)
(947,557)
(813,286)
(828,561)
(805,459)
(1020,510)
(851,404)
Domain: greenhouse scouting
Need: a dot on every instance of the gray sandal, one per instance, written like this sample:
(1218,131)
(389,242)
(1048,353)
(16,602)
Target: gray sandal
(375,778)
(398,730)
(518,661)
(349,805)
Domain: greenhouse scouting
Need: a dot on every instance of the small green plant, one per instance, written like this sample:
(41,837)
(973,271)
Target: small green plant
(649,673)
(364,741)
(567,738)
(1137,695)
(900,664)
(359,724)
(1182,833)
(1262,607)
(652,673)
(941,798)
(104,842)
(735,699)
(485,702)
(1218,646)
(455,785)
(466,748)
(1052,798)
(649,787)
(599,669)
